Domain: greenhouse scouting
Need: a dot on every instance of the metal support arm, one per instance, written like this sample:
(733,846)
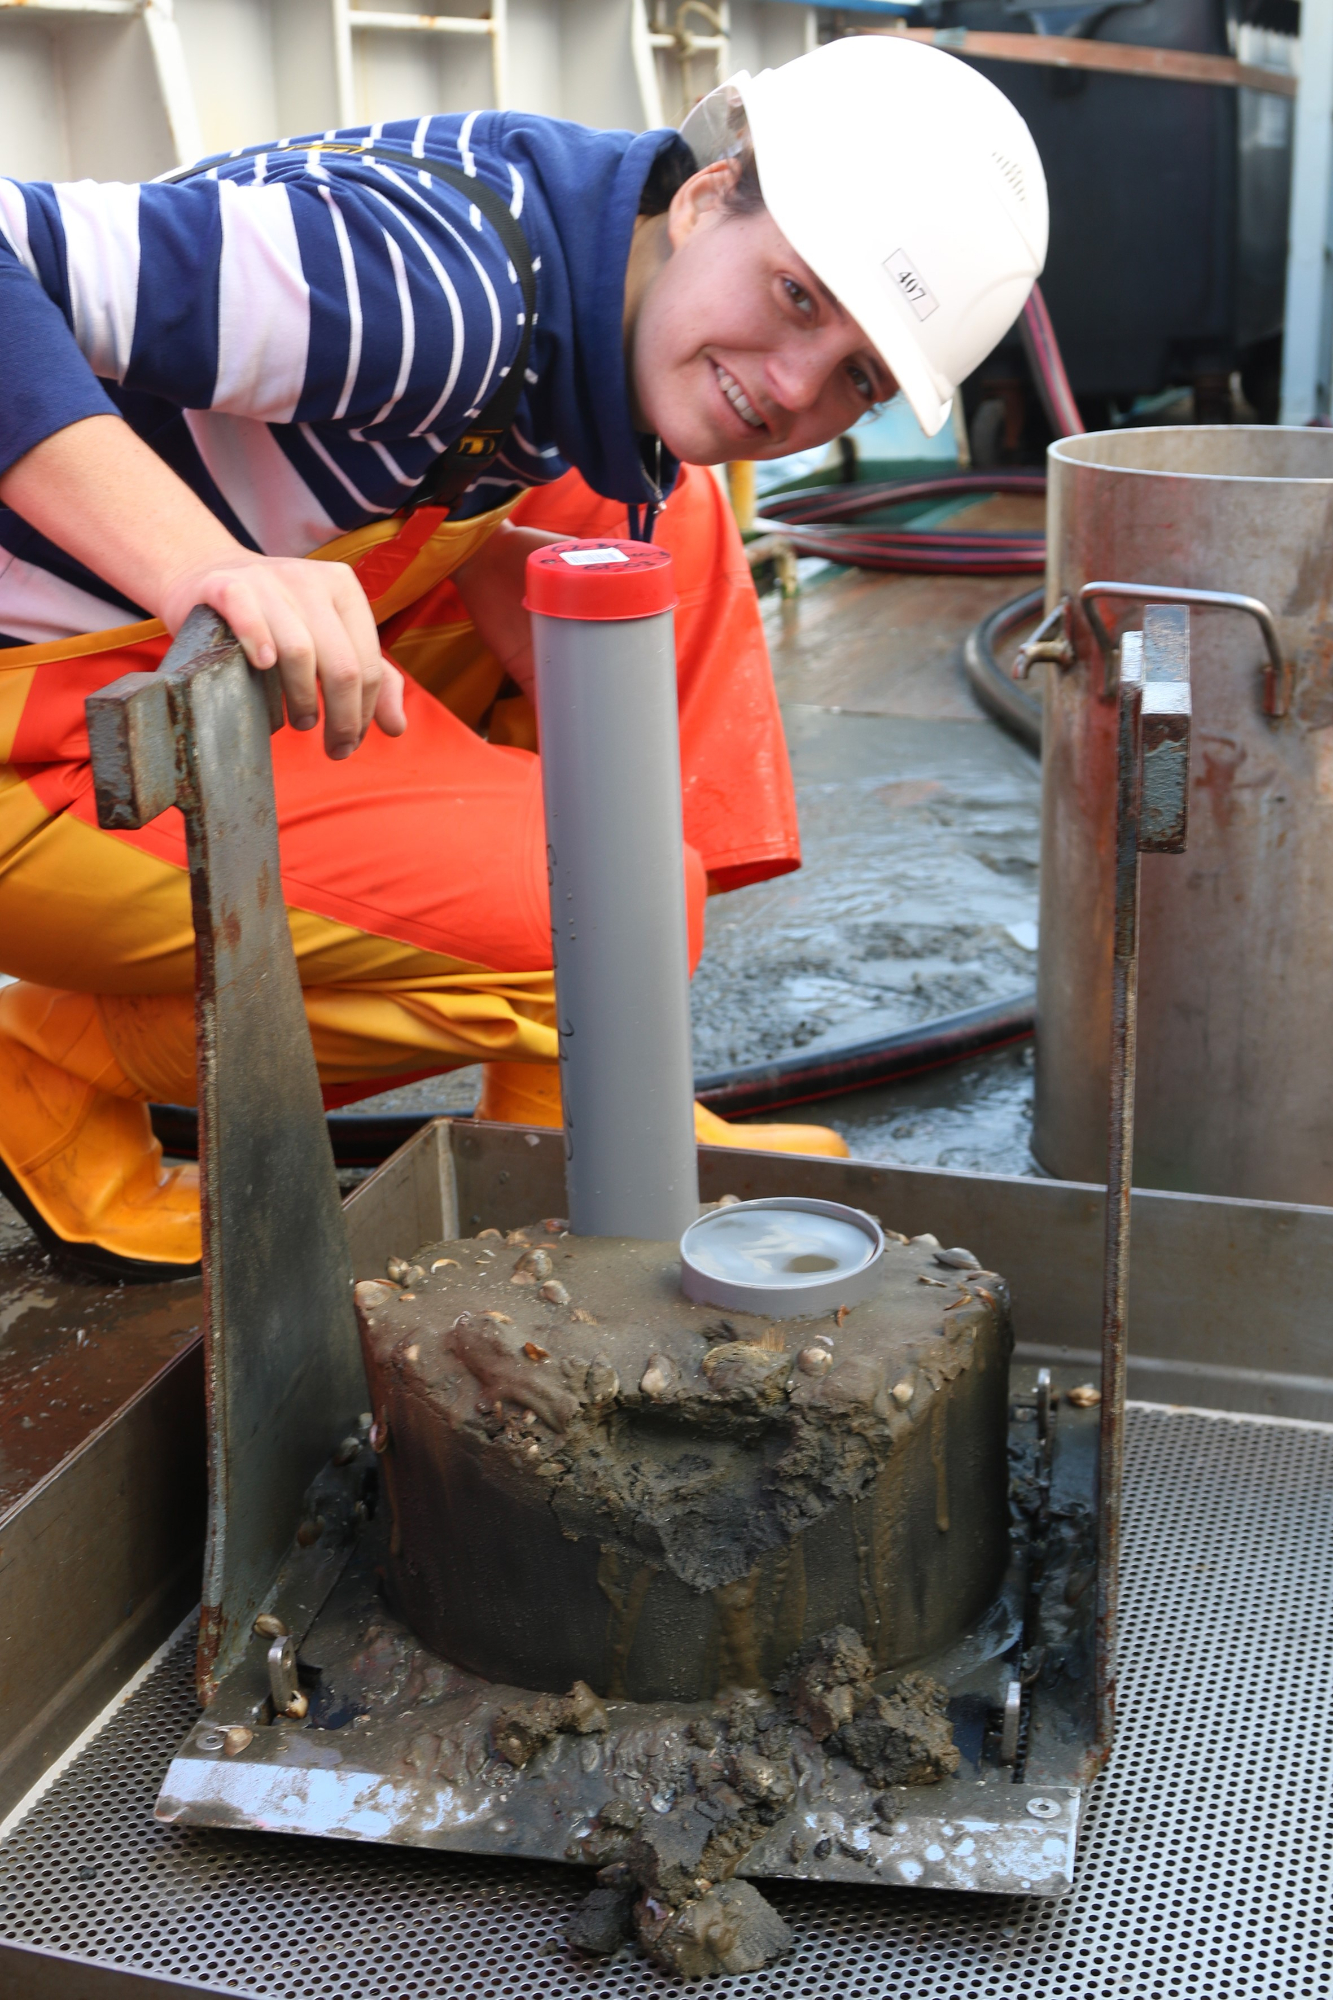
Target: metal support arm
(1152,775)
(282,1364)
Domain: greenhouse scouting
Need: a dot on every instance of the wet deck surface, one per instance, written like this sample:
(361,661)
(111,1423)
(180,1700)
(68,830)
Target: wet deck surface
(72,1352)
(918,894)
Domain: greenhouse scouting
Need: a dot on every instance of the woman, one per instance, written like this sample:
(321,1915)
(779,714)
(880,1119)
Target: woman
(367,349)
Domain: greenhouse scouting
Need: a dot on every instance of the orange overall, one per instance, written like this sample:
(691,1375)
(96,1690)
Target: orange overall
(414,872)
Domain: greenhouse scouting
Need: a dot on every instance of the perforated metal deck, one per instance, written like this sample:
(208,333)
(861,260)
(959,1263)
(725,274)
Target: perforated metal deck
(1204,1873)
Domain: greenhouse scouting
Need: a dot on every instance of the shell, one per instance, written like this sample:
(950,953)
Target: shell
(1085,1397)
(482,1233)
(237,1739)
(501,1319)
(728,1201)
(659,1377)
(310,1531)
(269,1627)
(925,1241)
(298,1707)
(903,1393)
(440,1263)
(583,1318)
(958,1259)
(396,1268)
(345,1452)
(532,1267)
(814,1360)
(535,1353)
(412,1353)
(554,1293)
(379,1436)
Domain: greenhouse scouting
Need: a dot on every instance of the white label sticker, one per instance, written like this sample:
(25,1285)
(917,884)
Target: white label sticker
(911,284)
(581,558)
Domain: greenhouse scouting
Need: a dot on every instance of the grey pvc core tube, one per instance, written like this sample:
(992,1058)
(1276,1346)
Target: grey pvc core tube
(610,748)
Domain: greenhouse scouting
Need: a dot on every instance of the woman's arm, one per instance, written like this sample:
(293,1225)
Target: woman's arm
(491,585)
(101,494)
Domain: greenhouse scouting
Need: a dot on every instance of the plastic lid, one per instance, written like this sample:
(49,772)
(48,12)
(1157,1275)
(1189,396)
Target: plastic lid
(785,1256)
(600,579)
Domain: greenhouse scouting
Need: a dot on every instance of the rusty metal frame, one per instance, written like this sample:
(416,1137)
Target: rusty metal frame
(1152,780)
(282,1365)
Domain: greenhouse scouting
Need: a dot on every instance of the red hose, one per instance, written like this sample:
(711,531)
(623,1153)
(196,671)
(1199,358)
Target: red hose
(1048,368)
(806,517)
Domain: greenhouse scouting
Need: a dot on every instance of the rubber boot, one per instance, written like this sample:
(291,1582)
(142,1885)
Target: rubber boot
(529,1094)
(77,1152)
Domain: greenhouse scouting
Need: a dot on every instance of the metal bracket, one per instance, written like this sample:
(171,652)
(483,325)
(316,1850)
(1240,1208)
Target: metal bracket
(1152,779)
(1045,645)
(282,1361)
(1277,673)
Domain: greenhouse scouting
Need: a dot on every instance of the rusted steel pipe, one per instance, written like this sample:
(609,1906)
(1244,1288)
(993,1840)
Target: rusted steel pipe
(1166,514)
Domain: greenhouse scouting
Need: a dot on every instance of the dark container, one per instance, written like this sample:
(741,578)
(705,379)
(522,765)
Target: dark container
(1168,210)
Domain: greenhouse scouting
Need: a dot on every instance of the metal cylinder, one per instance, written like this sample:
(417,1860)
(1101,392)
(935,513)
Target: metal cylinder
(1235,1091)
(604,643)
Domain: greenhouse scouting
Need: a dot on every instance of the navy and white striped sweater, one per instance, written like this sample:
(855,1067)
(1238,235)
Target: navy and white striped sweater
(301,335)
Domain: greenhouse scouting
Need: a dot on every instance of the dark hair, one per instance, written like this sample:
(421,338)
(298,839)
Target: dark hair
(745,197)
(676,164)
(666,177)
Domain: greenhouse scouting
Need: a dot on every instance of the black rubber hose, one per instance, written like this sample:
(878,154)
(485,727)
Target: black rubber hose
(1000,695)
(366,1141)
(805,1079)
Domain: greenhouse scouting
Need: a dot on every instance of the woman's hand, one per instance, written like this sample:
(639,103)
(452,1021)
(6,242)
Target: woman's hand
(100,494)
(312,621)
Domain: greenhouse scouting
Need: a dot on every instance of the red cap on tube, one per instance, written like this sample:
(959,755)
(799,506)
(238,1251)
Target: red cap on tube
(600,580)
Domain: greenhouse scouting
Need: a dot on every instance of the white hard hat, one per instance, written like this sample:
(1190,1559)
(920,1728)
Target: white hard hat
(908,183)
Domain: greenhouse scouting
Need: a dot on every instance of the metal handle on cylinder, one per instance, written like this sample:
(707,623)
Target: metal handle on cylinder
(1277,674)
(604,643)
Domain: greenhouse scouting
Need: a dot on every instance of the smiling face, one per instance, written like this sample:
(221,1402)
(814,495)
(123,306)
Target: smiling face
(735,348)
